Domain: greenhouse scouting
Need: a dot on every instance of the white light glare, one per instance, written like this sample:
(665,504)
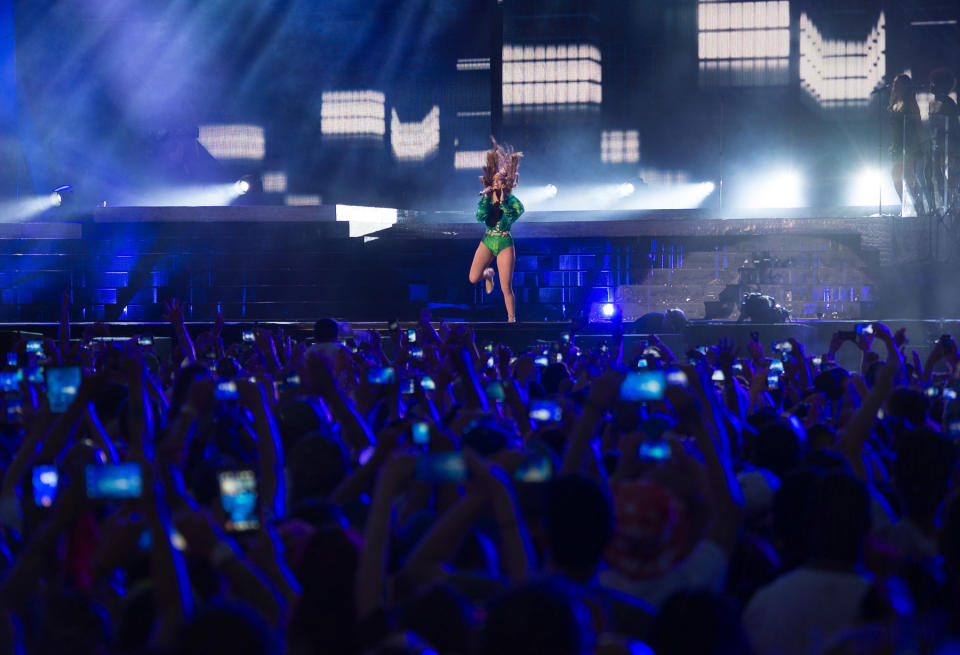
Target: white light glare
(780,189)
(56,199)
(625,189)
(871,187)
(242,186)
(366,220)
(608,310)
(551,190)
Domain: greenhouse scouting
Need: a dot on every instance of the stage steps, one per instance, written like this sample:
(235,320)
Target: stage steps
(811,276)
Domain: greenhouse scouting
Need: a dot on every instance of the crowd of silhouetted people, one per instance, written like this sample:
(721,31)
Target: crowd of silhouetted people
(418,490)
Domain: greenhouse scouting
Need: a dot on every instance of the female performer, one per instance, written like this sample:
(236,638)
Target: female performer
(498,209)
(906,138)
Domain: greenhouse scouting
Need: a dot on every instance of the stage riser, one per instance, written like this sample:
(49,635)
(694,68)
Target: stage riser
(304,269)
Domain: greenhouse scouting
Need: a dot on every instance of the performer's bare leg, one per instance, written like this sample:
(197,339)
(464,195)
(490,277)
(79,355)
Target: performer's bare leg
(506,261)
(480,266)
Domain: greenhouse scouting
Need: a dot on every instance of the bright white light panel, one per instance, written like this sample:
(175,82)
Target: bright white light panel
(473,64)
(225,142)
(551,75)
(302,200)
(417,140)
(469,159)
(620,146)
(743,43)
(841,73)
(274,182)
(657,177)
(359,113)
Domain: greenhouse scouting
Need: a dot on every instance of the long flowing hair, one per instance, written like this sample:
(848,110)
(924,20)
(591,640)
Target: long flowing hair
(501,161)
(903,95)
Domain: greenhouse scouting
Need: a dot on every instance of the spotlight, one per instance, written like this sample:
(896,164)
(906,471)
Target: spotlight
(57,195)
(625,189)
(551,190)
(242,186)
(608,310)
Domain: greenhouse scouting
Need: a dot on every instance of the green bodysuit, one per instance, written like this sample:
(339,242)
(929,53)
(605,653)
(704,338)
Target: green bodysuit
(498,238)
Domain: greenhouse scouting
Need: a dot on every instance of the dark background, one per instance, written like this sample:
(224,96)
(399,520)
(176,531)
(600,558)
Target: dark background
(100,84)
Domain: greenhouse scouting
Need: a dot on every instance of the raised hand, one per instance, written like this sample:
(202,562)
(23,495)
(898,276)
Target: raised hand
(900,338)
(317,376)
(605,390)
(726,352)
(174,312)
(755,350)
(503,355)
(835,342)
(882,332)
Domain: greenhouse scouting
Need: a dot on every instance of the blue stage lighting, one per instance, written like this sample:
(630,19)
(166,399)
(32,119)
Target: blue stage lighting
(608,310)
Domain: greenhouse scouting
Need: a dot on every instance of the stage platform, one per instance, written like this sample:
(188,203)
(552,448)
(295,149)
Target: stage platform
(299,263)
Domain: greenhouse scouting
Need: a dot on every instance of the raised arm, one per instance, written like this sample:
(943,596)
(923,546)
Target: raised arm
(63,335)
(269,448)
(55,440)
(516,547)
(372,568)
(356,433)
(171,581)
(208,540)
(851,440)
(580,455)
(20,582)
(175,315)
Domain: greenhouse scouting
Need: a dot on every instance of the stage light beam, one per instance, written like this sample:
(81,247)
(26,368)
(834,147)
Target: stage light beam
(242,187)
(626,189)
(551,190)
(213,195)
(29,207)
(608,310)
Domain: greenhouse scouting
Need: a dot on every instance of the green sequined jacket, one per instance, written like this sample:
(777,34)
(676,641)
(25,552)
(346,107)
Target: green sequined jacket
(511,206)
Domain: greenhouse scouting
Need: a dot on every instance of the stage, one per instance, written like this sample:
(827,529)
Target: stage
(276,263)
